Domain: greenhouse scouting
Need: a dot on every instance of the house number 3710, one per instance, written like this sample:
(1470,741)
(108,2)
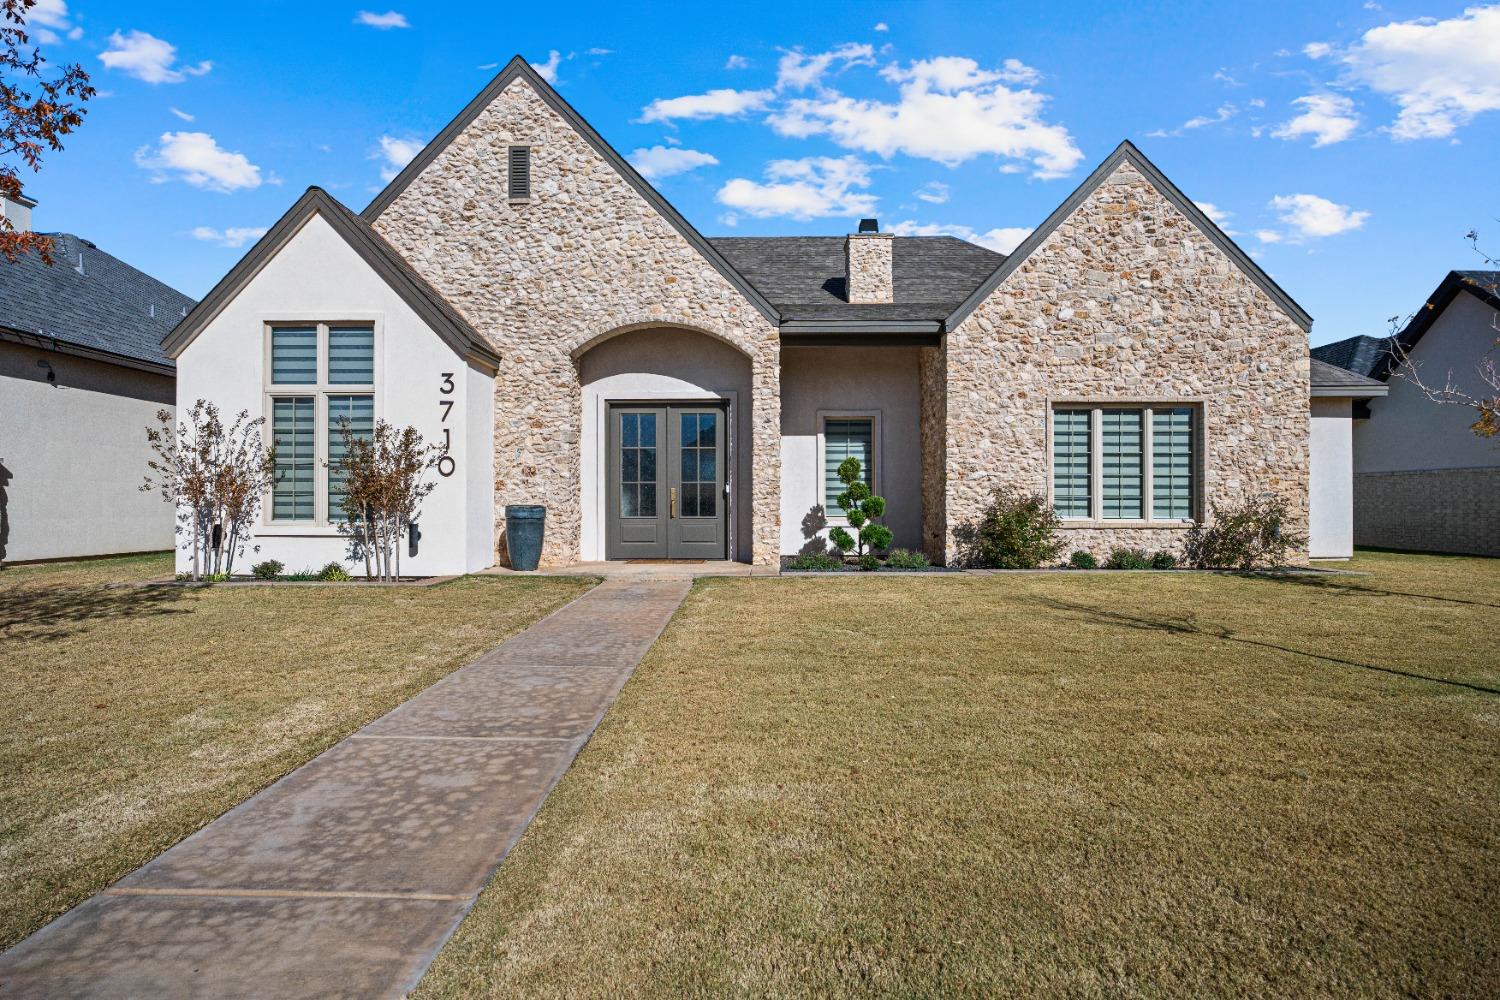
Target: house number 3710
(446,466)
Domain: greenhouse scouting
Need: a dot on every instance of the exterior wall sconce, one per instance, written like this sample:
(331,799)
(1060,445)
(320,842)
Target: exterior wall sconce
(46,366)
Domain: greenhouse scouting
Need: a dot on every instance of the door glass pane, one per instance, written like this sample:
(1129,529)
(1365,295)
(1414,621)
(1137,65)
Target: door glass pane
(687,500)
(706,422)
(689,465)
(630,465)
(630,430)
(707,460)
(707,499)
(648,465)
(629,497)
(637,465)
(648,430)
(648,499)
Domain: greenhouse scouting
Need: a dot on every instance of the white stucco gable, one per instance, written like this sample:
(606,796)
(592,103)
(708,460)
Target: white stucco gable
(313,274)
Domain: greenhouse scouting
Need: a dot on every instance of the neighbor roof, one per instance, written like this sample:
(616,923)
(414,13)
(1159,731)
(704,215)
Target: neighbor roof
(1356,354)
(91,303)
(1484,285)
(1331,380)
(425,301)
(804,276)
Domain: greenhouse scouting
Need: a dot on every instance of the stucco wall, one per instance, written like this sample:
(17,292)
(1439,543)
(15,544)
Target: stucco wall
(318,277)
(585,257)
(1406,430)
(1331,480)
(880,380)
(662,364)
(1126,299)
(73,456)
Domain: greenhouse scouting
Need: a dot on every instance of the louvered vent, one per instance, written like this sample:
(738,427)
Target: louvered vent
(520,173)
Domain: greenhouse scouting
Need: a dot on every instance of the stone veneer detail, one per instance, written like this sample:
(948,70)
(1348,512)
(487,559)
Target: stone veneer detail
(585,258)
(867,261)
(1126,300)
(931,372)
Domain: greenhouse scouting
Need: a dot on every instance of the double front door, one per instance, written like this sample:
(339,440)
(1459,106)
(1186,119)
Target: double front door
(666,497)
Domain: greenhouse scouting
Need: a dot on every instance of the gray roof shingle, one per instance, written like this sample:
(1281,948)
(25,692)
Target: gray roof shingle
(1356,354)
(109,306)
(1326,376)
(803,276)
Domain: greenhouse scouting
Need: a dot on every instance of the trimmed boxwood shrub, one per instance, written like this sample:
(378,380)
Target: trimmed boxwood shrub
(815,561)
(1123,558)
(268,570)
(869,562)
(1083,560)
(1163,560)
(906,559)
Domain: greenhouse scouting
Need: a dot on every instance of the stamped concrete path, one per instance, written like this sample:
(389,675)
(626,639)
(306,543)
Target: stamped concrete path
(344,878)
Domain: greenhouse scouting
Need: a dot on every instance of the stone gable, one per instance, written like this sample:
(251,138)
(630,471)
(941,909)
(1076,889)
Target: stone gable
(586,257)
(1126,300)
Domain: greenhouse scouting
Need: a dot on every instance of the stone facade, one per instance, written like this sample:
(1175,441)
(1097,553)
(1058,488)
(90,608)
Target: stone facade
(868,263)
(932,369)
(1126,300)
(585,258)
(1431,510)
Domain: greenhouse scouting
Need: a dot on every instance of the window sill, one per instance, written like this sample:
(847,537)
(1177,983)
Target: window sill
(1067,524)
(307,530)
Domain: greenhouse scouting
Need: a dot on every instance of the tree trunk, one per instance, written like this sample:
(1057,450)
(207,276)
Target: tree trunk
(364,531)
(398,550)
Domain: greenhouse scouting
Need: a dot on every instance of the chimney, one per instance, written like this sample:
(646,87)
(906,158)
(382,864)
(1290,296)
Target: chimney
(18,212)
(867,264)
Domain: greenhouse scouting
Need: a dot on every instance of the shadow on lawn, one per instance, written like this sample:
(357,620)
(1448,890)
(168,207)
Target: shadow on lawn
(1342,586)
(1186,625)
(58,612)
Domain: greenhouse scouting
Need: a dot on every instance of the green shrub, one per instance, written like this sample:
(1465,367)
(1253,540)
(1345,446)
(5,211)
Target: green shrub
(334,572)
(180,577)
(216,577)
(1123,558)
(1016,531)
(1163,560)
(906,559)
(868,562)
(861,507)
(820,561)
(301,576)
(268,570)
(1246,536)
(1083,560)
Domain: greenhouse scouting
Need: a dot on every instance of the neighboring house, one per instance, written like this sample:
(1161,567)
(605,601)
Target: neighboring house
(521,296)
(1422,479)
(82,375)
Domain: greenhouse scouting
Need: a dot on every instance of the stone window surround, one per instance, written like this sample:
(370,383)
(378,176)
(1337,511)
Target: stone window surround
(823,416)
(1198,404)
(320,526)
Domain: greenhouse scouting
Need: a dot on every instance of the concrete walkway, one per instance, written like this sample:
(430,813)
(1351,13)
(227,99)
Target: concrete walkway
(344,878)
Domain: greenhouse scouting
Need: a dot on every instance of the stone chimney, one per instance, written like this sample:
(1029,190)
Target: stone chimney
(867,264)
(18,212)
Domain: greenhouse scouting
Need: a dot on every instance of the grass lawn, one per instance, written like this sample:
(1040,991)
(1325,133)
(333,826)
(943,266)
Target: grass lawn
(1086,785)
(134,716)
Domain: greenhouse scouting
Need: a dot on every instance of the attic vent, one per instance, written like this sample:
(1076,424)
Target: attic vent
(520,173)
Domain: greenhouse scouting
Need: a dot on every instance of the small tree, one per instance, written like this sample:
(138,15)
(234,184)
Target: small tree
(861,506)
(215,478)
(1247,536)
(384,480)
(1016,531)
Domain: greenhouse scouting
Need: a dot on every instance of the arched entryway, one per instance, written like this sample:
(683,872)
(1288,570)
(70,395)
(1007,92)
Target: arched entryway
(665,446)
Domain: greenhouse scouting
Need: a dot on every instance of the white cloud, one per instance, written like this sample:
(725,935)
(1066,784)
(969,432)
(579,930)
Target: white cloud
(487,65)
(148,58)
(804,189)
(49,13)
(596,51)
(194,157)
(233,237)
(181,114)
(1268,236)
(721,103)
(1223,76)
(797,71)
(385,22)
(663,161)
(1440,73)
(736,62)
(548,70)
(395,153)
(882,26)
(1328,118)
(1001,240)
(950,110)
(1317,50)
(1223,114)
(933,192)
(1214,212)
(1314,217)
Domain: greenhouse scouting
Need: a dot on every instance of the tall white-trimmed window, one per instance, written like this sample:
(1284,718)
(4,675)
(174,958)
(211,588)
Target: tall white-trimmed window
(1124,463)
(320,375)
(843,436)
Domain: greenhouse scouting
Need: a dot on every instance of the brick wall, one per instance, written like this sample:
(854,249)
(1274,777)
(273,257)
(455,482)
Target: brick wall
(1435,510)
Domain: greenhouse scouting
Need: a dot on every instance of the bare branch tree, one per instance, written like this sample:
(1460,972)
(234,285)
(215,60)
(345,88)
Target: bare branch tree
(384,481)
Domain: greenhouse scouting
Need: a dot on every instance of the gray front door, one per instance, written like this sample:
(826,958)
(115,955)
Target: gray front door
(665,497)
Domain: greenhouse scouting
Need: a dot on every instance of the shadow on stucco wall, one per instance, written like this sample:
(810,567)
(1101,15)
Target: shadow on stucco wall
(5,477)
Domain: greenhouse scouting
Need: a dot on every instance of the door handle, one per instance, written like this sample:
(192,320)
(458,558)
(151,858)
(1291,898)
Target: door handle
(672,504)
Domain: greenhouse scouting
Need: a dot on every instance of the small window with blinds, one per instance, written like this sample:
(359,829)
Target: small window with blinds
(1172,463)
(519,168)
(293,434)
(351,355)
(1071,463)
(1121,473)
(294,355)
(845,438)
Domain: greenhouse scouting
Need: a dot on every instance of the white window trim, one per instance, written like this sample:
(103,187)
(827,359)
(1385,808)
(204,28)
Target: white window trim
(320,525)
(823,416)
(1096,408)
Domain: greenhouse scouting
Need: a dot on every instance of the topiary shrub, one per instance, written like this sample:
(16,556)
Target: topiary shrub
(1163,560)
(1016,531)
(861,506)
(268,570)
(1083,560)
(1247,536)
(334,572)
(906,559)
(815,561)
(1123,558)
(868,562)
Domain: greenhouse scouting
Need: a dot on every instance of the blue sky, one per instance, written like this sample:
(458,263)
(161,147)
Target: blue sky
(1346,146)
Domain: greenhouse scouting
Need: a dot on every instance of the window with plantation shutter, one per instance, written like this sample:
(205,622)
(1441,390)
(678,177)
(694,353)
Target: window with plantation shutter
(520,172)
(294,355)
(1071,473)
(1120,472)
(351,355)
(845,438)
(293,431)
(359,413)
(1172,463)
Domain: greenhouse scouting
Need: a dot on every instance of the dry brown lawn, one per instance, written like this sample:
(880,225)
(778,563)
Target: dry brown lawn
(134,716)
(1083,785)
